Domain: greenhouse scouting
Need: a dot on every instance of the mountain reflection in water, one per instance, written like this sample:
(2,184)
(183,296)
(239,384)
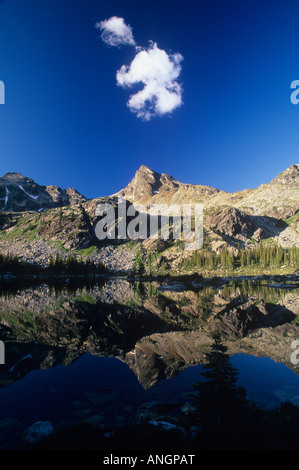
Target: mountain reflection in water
(102,351)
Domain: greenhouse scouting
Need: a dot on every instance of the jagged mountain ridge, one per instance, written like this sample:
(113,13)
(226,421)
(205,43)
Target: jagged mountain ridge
(19,193)
(279,198)
(34,234)
(240,216)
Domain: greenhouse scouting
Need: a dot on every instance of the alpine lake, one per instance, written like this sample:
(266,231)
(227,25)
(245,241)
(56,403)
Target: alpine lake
(114,352)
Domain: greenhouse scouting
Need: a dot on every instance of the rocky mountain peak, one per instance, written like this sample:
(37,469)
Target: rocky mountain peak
(144,168)
(145,184)
(146,174)
(289,177)
(20,193)
(14,177)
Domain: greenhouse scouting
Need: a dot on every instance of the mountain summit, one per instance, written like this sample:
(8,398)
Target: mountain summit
(289,177)
(15,177)
(147,183)
(20,193)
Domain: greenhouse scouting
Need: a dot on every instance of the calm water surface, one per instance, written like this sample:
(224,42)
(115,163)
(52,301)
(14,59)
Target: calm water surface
(78,353)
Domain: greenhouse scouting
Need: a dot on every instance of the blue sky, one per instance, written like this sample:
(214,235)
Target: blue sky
(66,121)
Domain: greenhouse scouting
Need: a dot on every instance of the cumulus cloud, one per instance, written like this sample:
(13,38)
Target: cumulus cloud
(115,32)
(158,72)
(151,67)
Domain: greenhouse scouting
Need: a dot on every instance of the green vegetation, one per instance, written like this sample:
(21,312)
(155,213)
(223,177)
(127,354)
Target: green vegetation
(72,265)
(293,220)
(87,298)
(130,245)
(139,267)
(87,251)
(11,264)
(205,303)
(260,289)
(25,227)
(69,265)
(19,319)
(262,256)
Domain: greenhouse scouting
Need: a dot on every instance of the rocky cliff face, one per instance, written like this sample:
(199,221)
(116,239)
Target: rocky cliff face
(288,177)
(279,198)
(19,193)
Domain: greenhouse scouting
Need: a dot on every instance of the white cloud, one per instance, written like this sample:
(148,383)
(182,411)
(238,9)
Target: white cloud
(115,32)
(158,71)
(152,67)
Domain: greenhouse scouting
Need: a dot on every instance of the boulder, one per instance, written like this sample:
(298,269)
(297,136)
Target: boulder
(37,431)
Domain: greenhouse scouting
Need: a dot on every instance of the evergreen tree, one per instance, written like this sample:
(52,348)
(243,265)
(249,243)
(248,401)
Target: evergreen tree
(139,268)
(242,259)
(219,401)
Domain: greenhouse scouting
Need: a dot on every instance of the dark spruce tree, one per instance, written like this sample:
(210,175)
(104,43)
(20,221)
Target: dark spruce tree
(221,406)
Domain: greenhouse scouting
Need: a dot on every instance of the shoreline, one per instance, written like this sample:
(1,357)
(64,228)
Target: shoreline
(9,277)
